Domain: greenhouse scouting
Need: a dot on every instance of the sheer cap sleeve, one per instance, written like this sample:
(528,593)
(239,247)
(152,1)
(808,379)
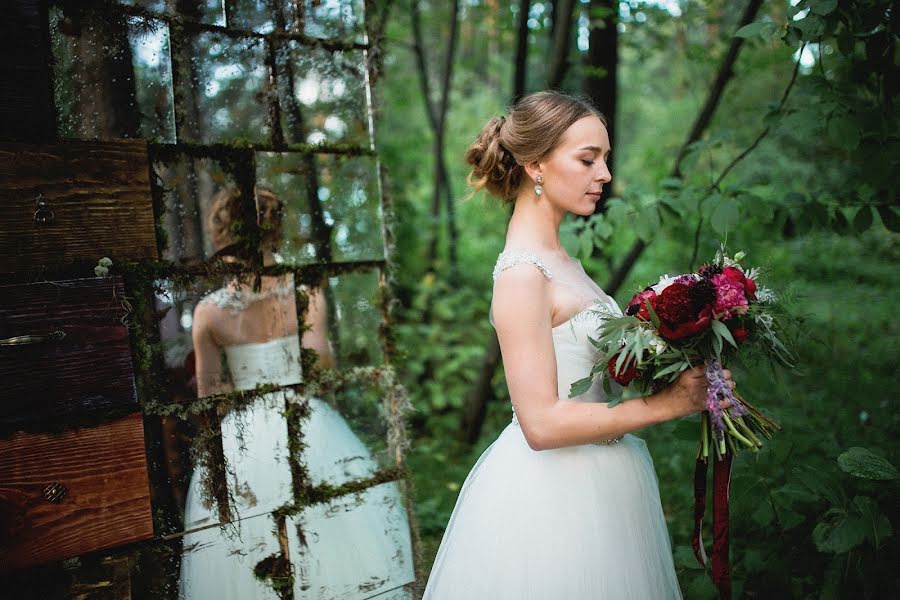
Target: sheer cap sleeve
(509,259)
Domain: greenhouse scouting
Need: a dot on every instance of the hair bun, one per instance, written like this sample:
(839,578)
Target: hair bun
(493,166)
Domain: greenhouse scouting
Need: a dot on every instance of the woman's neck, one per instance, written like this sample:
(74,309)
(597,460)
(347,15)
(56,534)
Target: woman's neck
(535,224)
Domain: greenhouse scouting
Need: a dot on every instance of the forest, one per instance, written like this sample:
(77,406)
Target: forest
(768,127)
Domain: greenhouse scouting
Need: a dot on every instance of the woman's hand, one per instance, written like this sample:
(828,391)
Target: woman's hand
(687,394)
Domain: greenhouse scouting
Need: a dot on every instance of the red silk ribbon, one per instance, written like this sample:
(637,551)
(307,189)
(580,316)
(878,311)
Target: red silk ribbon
(721,566)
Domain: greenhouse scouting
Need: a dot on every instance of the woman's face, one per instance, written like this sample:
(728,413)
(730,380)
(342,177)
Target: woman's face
(575,172)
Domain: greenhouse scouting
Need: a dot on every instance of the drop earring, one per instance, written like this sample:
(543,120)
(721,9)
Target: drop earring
(538,189)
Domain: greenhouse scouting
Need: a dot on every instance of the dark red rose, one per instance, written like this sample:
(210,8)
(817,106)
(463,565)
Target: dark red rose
(637,307)
(750,288)
(696,324)
(625,376)
(739,334)
(675,305)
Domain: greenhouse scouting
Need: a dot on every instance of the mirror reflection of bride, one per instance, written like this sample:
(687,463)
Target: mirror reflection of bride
(244,337)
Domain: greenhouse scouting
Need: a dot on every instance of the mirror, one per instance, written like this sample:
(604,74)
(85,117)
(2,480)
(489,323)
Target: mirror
(331,206)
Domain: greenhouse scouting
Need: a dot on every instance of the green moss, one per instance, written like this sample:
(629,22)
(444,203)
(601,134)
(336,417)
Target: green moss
(275,570)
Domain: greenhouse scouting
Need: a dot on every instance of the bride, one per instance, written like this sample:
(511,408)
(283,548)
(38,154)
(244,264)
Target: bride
(565,503)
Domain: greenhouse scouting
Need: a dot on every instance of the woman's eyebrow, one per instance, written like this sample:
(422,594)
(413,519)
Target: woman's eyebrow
(595,149)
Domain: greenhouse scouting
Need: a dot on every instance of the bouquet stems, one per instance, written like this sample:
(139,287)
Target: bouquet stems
(730,422)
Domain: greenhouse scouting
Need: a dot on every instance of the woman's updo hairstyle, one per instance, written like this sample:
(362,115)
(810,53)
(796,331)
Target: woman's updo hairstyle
(529,134)
(225,209)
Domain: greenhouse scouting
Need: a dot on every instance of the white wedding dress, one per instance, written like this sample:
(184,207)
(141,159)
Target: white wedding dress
(576,523)
(352,547)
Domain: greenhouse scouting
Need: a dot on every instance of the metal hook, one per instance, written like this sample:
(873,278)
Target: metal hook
(44,214)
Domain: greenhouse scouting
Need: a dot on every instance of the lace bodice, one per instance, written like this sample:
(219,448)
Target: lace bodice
(575,355)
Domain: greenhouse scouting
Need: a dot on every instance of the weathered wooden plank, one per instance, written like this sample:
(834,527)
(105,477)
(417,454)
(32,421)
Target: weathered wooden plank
(99,195)
(89,370)
(107,499)
(26,91)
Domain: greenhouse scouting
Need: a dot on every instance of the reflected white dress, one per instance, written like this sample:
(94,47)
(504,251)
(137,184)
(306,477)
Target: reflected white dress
(576,523)
(351,547)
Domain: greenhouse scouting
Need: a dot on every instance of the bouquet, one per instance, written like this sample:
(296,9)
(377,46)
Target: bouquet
(710,317)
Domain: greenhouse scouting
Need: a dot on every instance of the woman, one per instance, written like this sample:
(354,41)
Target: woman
(245,337)
(565,503)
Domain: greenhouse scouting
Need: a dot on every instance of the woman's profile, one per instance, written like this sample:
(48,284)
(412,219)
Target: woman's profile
(246,336)
(565,502)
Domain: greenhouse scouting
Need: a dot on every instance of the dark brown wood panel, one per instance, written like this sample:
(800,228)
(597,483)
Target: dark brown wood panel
(107,500)
(99,195)
(88,370)
(26,91)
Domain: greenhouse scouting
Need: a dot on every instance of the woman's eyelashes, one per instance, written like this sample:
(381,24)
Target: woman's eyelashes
(587,163)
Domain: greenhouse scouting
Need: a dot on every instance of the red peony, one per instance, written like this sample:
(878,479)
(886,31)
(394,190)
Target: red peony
(695,325)
(674,305)
(739,334)
(737,276)
(625,376)
(637,307)
(730,297)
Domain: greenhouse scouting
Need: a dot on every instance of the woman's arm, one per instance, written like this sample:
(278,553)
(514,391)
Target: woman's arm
(315,334)
(211,376)
(522,316)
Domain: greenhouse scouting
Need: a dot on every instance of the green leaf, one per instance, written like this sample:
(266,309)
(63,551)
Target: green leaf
(840,224)
(585,246)
(654,318)
(717,344)
(763,515)
(844,131)
(864,464)
(890,217)
(822,7)
(580,387)
(813,480)
(878,526)
(725,216)
(840,536)
(675,367)
(789,519)
(751,30)
(812,27)
(863,219)
(722,329)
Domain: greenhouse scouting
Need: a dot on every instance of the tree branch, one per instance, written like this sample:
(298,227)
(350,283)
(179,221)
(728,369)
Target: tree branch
(562,32)
(700,124)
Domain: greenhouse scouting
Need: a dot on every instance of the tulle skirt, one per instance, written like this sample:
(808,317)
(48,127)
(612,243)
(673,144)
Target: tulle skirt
(577,523)
(353,547)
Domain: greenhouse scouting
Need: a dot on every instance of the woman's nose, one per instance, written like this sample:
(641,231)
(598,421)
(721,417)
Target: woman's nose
(603,174)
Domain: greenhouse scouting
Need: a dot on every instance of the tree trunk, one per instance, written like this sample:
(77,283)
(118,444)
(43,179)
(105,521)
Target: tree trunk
(601,81)
(521,66)
(474,407)
(562,37)
(437,117)
(185,229)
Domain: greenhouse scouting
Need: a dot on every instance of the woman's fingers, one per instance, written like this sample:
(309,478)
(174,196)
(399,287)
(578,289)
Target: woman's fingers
(728,378)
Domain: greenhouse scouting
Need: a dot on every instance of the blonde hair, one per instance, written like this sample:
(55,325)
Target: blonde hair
(225,209)
(529,134)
